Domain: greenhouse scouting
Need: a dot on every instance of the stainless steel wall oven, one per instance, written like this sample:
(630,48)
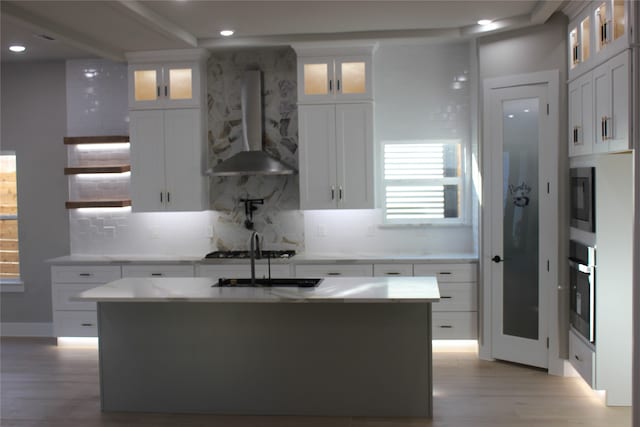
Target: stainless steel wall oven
(582,281)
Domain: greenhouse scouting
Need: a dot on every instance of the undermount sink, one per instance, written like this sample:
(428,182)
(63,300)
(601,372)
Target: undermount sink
(273,282)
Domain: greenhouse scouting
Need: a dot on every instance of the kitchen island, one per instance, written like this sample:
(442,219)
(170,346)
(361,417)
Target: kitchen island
(348,347)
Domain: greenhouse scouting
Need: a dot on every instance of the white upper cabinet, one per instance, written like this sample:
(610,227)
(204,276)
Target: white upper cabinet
(334,74)
(336,156)
(611,103)
(166,79)
(600,31)
(581,115)
(167,152)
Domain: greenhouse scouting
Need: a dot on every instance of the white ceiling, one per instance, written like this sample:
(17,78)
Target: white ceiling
(110,28)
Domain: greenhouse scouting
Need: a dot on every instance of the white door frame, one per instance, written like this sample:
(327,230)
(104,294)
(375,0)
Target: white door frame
(549,220)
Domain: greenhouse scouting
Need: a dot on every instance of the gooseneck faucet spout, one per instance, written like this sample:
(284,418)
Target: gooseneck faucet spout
(254,253)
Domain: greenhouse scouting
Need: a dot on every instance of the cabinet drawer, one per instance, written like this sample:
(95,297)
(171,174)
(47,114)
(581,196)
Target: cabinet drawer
(581,357)
(392,270)
(233,271)
(85,274)
(62,293)
(447,272)
(457,297)
(149,270)
(75,323)
(320,270)
(455,325)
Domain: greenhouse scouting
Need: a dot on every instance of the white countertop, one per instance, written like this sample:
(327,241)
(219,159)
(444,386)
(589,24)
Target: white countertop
(343,289)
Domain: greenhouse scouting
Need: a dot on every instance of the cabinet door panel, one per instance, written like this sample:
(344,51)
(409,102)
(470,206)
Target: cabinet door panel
(145,86)
(318,188)
(163,270)
(354,142)
(315,79)
(602,106)
(353,77)
(185,181)
(147,160)
(182,81)
(619,123)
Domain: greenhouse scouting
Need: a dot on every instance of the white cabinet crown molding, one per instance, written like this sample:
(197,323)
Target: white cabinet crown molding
(173,55)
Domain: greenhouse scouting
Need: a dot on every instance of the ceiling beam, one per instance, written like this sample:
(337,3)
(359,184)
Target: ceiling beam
(62,33)
(157,22)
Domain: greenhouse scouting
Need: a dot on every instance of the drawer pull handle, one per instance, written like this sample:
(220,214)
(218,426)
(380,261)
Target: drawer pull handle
(446,326)
(86,324)
(156,274)
(445,297)
(85,274)
(445,273)
(334,273)
(392,273)
(576,356)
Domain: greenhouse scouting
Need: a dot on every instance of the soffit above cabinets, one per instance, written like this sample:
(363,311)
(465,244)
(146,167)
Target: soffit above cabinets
(108,29)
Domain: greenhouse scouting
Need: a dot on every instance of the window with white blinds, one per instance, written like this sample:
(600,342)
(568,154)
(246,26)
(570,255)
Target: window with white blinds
(422,181)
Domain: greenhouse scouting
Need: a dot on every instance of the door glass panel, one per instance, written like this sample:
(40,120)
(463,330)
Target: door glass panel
(316,78)
(585,39)
(145,85)
(618,18)
(573,40)
(353,77)
(520,225)
(180,83)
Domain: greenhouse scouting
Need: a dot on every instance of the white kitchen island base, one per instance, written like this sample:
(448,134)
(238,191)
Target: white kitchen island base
(363,359)
(358,346)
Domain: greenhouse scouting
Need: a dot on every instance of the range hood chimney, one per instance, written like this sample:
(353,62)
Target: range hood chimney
(252,160)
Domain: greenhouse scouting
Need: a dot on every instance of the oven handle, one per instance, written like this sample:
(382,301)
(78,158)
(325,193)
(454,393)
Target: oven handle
(582,268)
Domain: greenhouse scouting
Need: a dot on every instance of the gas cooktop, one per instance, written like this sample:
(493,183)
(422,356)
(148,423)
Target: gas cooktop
(245,254)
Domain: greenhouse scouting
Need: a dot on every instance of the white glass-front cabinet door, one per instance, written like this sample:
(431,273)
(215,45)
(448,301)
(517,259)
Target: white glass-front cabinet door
(318,186)
(174,85)
(581,124)
(315,79)
(147,160)
(354,142)
(334,79)
(611,26)
(353,78)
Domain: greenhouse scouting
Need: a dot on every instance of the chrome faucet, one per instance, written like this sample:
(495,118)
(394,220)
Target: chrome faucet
(254,253)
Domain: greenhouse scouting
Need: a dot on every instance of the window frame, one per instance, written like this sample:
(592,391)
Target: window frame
(463,217)
(13,284)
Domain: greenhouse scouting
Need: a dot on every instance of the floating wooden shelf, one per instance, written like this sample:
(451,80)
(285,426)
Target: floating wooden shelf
(96,169)
(97,204)
(70,140)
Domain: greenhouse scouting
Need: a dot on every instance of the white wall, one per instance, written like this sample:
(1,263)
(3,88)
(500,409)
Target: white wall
(33,125)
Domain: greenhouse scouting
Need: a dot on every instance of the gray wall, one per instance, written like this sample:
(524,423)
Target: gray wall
(538,48)
(33,125)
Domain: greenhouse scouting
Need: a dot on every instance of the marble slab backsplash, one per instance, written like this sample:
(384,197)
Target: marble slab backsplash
(279,219)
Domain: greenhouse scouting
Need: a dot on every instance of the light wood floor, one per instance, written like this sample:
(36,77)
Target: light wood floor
(45,385)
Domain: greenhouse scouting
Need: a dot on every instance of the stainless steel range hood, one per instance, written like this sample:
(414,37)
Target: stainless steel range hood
(252,160)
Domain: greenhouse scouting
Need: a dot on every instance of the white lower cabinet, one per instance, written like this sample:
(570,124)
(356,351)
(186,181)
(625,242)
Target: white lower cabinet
(334,270)
(160,270)
(221,271)
(455,316)
(75,318)
(390,270)
(582,356)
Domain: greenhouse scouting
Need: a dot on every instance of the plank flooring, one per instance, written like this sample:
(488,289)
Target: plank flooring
(45,385)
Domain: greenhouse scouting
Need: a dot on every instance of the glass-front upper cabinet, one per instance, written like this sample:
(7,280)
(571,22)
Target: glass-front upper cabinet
(333,75)
(600,31)
(154,86)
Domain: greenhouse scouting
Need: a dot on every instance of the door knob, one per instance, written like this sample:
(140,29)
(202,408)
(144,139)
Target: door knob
(497,259)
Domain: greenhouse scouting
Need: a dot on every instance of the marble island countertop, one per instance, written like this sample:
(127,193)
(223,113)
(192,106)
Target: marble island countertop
(352,289)
(300,258)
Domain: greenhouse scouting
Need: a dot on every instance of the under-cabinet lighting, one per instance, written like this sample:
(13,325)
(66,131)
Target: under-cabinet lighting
(91,342)
(484,22)
(455,346)
(17,48)
(107,146)
(103,175)
(226,33)
(103,210)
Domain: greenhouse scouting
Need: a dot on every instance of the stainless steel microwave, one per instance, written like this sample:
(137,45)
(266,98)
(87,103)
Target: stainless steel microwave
(582,193)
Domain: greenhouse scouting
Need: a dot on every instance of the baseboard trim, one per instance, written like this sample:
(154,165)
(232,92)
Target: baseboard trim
(26,329)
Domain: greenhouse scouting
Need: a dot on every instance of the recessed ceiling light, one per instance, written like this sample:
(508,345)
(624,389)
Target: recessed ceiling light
(526,110)
(484,22)
(226,33)
(511,116)
(17,48)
